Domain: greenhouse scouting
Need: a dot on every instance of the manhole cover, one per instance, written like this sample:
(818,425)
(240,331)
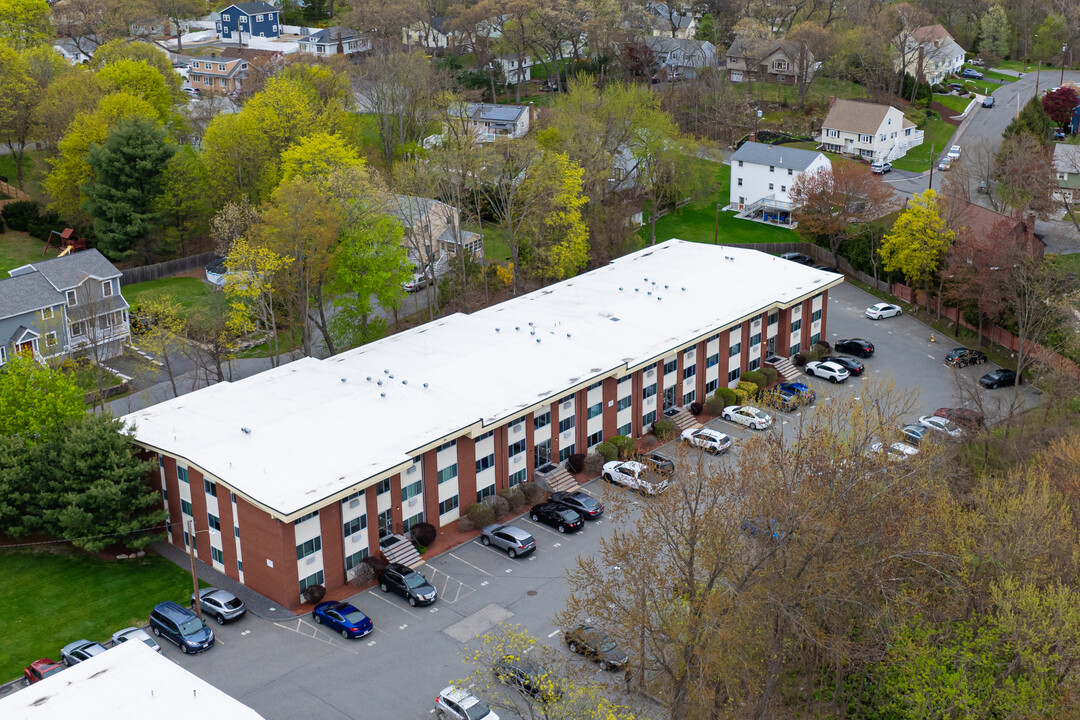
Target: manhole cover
(531,593)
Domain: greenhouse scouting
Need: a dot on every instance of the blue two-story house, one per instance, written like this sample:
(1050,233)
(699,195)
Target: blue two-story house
(255,18)
(63,306)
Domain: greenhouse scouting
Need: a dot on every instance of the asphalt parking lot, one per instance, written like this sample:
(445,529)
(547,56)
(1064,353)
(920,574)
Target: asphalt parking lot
(294,668)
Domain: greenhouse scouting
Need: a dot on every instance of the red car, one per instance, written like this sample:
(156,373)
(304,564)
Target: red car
(40,669)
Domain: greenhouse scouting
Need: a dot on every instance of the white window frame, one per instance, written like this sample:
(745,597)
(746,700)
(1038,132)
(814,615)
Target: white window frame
(226,18)
(106,289)
(3,355)
(77,329)
(48,313)
(50,339)
(72,298)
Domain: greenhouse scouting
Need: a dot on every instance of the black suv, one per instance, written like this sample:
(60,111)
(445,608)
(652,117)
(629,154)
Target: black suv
(855,346)
(408,583)
(181,626)
(962,357)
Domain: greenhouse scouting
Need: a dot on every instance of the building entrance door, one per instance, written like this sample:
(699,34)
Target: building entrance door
(386,523)
(770,346)
(543,453)
(669,397)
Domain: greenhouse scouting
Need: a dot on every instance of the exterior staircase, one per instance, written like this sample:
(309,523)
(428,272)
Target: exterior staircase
(399,549)
(785,367)
(682,418)
(555,478)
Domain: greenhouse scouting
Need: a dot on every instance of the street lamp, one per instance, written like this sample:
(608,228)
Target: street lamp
(1063,46)
(192,532)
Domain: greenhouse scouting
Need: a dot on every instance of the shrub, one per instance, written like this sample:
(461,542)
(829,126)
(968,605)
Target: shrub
(824,344)
(1,226)
(715,405)
(313,594)
(594,463)
(464,524)
(376,563)
(364,574)
(665,430)
(625,446)
(741,396)
(799,360)
(696,408)
(771,375)
(607,451)
(480,514)
(424,533)
(499,504)
(726,394)
(513,496)
(41,227)
(756,377)
(531,491)
(751,389)
(576,462)
(19,215)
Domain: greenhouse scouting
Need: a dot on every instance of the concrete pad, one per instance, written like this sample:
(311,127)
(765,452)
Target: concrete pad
(479,622)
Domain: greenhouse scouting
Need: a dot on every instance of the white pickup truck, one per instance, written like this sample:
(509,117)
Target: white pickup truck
(635,475)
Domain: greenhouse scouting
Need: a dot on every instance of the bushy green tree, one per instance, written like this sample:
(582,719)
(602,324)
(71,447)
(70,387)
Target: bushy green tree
(995,32)
(36,399)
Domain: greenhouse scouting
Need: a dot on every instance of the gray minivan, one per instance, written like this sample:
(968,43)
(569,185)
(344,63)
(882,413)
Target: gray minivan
(181,626)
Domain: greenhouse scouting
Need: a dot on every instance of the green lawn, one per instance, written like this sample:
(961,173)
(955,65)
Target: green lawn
(18,248)
(192,294)
(937,134)
(496,249)
(821,88)
(1016,65)
(987,73)
(53,598)
(811,145)
(953,102)
(1069,263)
(33,166)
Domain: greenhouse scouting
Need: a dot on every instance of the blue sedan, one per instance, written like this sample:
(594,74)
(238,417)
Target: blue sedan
(343,617)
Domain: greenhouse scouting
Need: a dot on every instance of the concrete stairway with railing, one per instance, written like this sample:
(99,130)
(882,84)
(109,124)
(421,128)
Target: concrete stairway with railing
(399,549)
(785,367)
(682,418)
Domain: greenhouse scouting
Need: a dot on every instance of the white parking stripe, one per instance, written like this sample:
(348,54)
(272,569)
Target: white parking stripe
(474,567)
(390,602)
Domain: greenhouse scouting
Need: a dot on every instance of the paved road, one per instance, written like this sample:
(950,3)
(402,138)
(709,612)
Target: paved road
(288,668)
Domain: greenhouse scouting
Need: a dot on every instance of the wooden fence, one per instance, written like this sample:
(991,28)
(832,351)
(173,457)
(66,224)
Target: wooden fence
(11,194)
(166,269)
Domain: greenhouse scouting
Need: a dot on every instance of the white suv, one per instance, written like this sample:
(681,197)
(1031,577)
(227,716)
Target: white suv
(707,439)
(456,703)
(829,370)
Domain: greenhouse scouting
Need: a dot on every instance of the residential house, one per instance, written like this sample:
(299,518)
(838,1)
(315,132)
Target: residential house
(930,53)
(252,54)
(878,133)
(762,177)
(214,74)
(419,425)
(513,71)
(151,27)
(781,61)
(258,19)
(63,306)
(69,50)
(1067,172)
(433,233)
(669,21)
(970,218)
(681,57)
(488,122)
(335,40)
(435,34)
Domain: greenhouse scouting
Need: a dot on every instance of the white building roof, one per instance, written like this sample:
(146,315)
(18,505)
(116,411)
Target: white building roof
(127,682)
(290,438)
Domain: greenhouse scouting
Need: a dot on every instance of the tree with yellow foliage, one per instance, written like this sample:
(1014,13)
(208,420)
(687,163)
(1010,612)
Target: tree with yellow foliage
(249,287)
(918,242)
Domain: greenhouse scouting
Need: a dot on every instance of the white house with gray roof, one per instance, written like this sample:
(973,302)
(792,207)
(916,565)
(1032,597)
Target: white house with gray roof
(762,176)
(63,306)
(488,122)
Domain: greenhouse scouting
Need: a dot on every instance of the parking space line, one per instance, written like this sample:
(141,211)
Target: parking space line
(445,591)
(541,525)
(474,567)
(389,602)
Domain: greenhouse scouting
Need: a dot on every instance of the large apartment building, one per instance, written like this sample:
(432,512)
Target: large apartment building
(299,472)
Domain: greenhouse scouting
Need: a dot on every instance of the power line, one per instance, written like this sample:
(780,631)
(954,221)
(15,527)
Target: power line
(87,537)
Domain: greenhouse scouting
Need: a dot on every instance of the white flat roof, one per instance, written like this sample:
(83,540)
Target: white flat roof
(292,437)
(127,682)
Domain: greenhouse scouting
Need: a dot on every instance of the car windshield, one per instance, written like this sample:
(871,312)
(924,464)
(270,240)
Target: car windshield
(569,516)
(948,425)
(415,580)
(354,616)
(477,711)
(587,501)
(192,626)
(149,641)
(607,645)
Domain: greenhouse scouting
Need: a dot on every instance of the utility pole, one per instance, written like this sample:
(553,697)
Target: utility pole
(1063,46)
(716,230)
(194,577)
(1038,74)
(931,184)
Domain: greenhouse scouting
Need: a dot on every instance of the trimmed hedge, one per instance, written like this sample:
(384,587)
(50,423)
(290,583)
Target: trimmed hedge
(770,373)
(756,377)
(313,594)
(727,395)
(741,396)
(696,408)
(750,388)
(715,405)
(500,505)
(531,491)
(607,450)
(799,360)
(480,514)
(576,462)
(665,429)
(19,215)
(514,496)
(424,533)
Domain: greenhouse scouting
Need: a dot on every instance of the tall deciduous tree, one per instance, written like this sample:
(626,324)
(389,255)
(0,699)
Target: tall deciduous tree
(127,177)
(1025,175)
(250,289)
(90,23)
(37,399)
(918,242)
(177,10)
(24,23)
(141,80)
(166,326)
(978,269)
(317,156)
(995,32)
(182,205)
(400,89)
(562,240)
(17,93)
(116,50)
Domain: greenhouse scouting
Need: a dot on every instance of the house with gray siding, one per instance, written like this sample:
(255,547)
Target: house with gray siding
(63,306)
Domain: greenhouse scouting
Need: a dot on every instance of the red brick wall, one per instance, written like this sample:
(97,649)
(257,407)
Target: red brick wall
(636,401)
(699,379)
(807,313)
(372,505)
(466,475)
(783,333)
(581,420)
(611,407)
(744,360)
(265,538)
(431,487)
(228,535)
(172,490)
(824,311)
(198,512)
(555,434)
(530,446)
(333,548)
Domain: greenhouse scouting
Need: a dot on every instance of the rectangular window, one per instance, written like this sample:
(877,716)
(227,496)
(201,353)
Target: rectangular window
(72,298)
(795,349)
(448,473)
(740,182)
(754,364)
(783,188)
(566,423)
(648,418)
(313,579)
(106,288)
(213,521)
(712,360)
(566,399)
(310,547)
(790,171)
(733,375)
(356,558)
(48,313)
(597,409)
(689,372)
(815,316)
(596,385)
(672,366)
(236,531)
(624,403)
(626,429)
(447,445)
(258,18)
(740,163)
(755,340)
(770,186)
(313,514)
(566,452)
(485,462)
(484,492)
(185,507)
(735,349)
(595,439)
(76,329)
(711,386)
(50,339)
(648,392)
(216,555)
(354,526)
(774,318)
(447,505)
(542,421)
(181,474)
(815,338)
(518,477)
(412,490)
(772,168)
(383,487)
(485,436)
(240,565)
(518,447)
(796,325)
(210,487)
(344,501)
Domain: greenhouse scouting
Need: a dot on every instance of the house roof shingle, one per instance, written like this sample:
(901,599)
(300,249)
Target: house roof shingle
(330,35)
(26,293)
(255,8)
(776,155)
(67,272)
(930,33)
(860,117)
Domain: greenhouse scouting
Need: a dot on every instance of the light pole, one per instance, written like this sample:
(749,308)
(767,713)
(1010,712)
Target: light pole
(192,532)
(1063,46)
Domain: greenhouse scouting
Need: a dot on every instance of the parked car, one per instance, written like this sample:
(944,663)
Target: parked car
(137,635)
(39,670)
(1059,134)
(954,152)
(581,502)
(561,518)
(976,61)
(221,605)
(748,415)
(515,541)
(798,258)
(880,168)
(830,371)
(988,101)
(801,390)
(999,378)
(957,87)
(527,676)
(140,324)
(945,164)
(855,346)
(971,73)
(596,644)
(74,653)
(634,475)
(454,703)
(962,357)
(342,617)
(850,364)
(941,425)
(880,311)
(415,284)
(408,583)
(181,626)
(656,462)
(971,420)
(896,451)
(782,400)
(913,434)
(714,441)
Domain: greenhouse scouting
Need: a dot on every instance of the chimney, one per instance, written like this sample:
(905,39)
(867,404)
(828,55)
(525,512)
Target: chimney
(832,101)
(532,114)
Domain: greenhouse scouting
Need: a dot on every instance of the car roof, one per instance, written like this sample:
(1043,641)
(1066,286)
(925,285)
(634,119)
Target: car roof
(834,365)
(632,464)
(516,532)
(456,694)
(398,567)
(216,592)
